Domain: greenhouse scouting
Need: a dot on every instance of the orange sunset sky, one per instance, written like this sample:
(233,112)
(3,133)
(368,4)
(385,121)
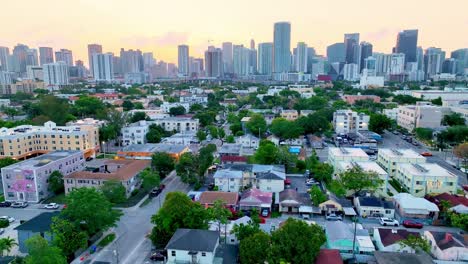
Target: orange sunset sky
(159,26)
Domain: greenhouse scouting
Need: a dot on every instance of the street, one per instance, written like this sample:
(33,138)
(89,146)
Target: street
(131,244)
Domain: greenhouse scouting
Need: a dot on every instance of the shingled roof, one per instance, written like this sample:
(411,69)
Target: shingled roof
(193,240)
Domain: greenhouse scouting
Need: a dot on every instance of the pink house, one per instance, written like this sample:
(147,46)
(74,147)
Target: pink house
(256,199)
(351,99)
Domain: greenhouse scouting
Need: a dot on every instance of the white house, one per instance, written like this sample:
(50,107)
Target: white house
(336,155)
(228,180)
(389,158)
(388,239)
(248,141)
(447,246)
(369,206)
(192,246)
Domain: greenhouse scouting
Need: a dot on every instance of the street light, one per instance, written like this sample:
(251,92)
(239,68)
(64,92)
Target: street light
(103,150)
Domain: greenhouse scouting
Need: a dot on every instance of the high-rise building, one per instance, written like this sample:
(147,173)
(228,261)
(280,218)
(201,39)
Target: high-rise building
(336,53)
(93,49)
(350,72)
(407,42)
(351,43)
(300,59)
(46,55)
(433,60)
(227,57)
(103,67)
(460,55)
(252,44)
(281,47)
(369,66)
(131,61)
(19,56)
(265,58)
(241,56)
(4,54)
(214,62)
(196,67)
(64,55)
(32,58)
(183,60)
(366,51)
(420,58)
(117,64)
(310,57)
(253,61)
(148,61)
(449,66)
(397,64)
(56,74)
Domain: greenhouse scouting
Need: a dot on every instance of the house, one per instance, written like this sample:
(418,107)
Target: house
(453,199)
(329,256)
(229,199)
(146,151)
(389,158)
(291,201)
(387,239)
(227,230)
(288,142)
(230,149)
(228,180)
(382,257)
(336,155)
(124,171)
(192,246)
(248,141)
(370,206)
(289,115)
(337,205)
(448,246)
(39,225)
(340,236)
(226,159)
(410,207)
(255,199)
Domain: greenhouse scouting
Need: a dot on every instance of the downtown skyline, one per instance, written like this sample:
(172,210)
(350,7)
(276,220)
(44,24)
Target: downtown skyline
(152,31)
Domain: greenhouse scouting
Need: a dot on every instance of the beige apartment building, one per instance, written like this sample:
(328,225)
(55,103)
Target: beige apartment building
(290,115)
(423,114)
(26,141)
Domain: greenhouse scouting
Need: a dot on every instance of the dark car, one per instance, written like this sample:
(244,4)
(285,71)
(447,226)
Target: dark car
(155,192)
(412,224)
(156,256)
(5,204)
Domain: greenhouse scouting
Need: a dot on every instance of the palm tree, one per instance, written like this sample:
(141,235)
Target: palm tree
(6,244)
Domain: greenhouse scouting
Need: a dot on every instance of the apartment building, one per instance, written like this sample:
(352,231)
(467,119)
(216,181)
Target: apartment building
(367,166)
(426,178)
(123,171)
(389,158)
(346,121)
(28,180)
(25,141)
(289,115)
(423,114)
(337,155)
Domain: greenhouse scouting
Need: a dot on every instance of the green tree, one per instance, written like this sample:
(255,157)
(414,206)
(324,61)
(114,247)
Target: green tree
(196,108)
(187,168)
(213,131)
(315,123)
(114,191)
(149,179)
(67,236)
(285,129)
(453,119)
(88,106)
(107,133)
(230,139)
(221,132)
(267,153)
(255,249)
(163,163)
(138,116)
(201,135)
(257,124)
(40,252)
(155,133)
(423,133)
(7,162)
(416,243)
(356,180)
(7,244)
(178,110)
(11,112)
(90,209)
(297,242)
(322,172)
(437,101)
(235,127)
(178,211)
(127,105)
(405,99)
(220,214)
(459,220)
(54,109)
(242,231)
(56,182)
(461,151)
(317,196)
(206,118)
(378,123)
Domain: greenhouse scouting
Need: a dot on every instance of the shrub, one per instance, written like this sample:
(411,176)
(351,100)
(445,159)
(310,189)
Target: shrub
(134,192)
(107,240)
(4,223)
(197,186)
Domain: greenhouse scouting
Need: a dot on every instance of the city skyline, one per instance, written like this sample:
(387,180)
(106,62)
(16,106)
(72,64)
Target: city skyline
(159,30)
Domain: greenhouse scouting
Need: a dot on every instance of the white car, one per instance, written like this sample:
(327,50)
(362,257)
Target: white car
(10,219)
(51,206)
(385,221)
(333,217)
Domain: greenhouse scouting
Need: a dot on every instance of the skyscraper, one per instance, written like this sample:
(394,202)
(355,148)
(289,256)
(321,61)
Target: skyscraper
(433,61)
(227,57)
(366,51)
(407,42)
(460,55)
(265,58)
(301,57)
(241,56)
(46,55)
(20,54)
(214,62)
(351,43)
(93,49)
(32,57)
(281,47)
(336,53)
(64,55)
(4,54)
(131,61)
(310,58)
(103,67)
(183,60)
(55,74)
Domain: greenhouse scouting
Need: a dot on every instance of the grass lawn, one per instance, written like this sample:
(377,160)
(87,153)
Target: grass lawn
(107,240)
(146,202)
(275,214)
(2,198)
(59,198)
(133,200)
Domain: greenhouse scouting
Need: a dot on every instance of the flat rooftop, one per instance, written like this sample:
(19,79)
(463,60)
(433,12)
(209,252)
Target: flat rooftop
(348,152)
(120,170)
(400,153)
(42,160)
(427,169)
(365,165)
(152,148)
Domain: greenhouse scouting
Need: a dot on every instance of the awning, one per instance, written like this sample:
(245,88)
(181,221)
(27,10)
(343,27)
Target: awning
(349,211)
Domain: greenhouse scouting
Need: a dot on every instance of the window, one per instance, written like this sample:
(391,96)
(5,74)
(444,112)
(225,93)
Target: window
(173,253)
(203,254)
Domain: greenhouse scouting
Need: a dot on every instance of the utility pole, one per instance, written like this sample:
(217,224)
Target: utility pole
(354,239)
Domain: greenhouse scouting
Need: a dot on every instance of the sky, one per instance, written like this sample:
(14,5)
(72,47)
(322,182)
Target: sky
(158,26)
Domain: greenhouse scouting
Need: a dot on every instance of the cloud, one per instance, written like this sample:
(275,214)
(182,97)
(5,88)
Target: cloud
(381,34)
(168,39)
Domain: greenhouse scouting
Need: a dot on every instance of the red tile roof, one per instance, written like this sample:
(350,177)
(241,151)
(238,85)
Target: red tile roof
(262,197)
(233,159)
(451,198)
(209,198)
(329,256)
(392,236)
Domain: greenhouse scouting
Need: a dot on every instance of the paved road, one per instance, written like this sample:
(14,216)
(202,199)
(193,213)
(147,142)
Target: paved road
(131,245)
(24,213)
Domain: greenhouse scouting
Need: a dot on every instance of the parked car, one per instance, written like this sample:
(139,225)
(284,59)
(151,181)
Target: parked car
(426,154)
(10,219)
(5,204)
(157,256)
(51,206)
(19,204)
(415,143)
(287,182)
(333,217)
(385,221)
(155,192)
(412,224)
(265,212)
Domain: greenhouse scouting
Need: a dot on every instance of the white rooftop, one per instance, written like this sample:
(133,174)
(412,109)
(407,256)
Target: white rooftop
(410,203)
(426,169)
(399,153)
(365,165)
(348,152)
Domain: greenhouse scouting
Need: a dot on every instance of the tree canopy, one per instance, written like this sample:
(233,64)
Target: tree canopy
(257,124)
(56,182)
(163,163)
(356,180)
(114,191)
(378,123)
(40,252)
(285,129)
(149,179)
